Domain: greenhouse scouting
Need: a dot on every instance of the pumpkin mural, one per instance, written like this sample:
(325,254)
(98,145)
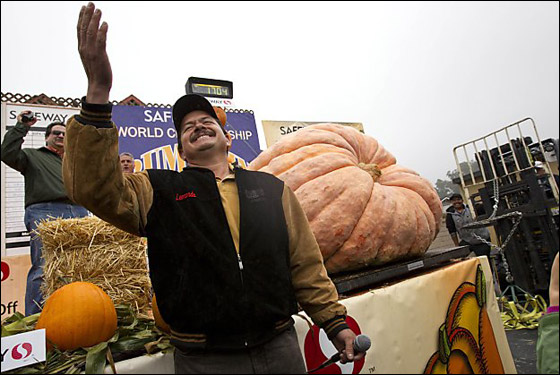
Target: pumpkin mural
(79,314)
(363,208)
(466,340)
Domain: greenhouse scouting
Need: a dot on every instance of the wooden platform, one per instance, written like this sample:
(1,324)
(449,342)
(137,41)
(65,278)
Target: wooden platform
(356,281)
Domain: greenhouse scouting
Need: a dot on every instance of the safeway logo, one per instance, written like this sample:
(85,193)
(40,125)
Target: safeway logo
(221,102)
(5,271)
(23,349)
(17,355)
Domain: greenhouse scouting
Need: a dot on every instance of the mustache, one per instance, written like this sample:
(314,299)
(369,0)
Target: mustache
(200,133)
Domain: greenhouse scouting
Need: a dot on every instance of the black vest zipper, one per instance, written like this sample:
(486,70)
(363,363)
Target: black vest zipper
(242,285)
(239,260)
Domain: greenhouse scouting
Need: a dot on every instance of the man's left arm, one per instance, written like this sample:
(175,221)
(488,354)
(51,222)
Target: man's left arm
(314,290)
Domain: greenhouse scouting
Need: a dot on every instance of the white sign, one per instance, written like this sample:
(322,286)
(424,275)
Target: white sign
(225,103)
(23,350)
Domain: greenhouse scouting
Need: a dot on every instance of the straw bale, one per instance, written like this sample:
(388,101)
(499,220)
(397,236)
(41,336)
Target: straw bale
(89,249)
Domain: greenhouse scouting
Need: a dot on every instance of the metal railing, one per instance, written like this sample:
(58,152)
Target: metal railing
(510,170)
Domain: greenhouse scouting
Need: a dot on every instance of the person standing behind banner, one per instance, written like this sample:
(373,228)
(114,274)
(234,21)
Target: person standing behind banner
(45,195)
(127,162)
(459,215)
(231,251)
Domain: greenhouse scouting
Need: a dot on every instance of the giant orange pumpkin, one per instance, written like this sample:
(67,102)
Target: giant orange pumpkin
(363,208)
(77,315)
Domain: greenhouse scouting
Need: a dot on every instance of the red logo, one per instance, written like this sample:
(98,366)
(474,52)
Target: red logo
(17,355)
(5,270)
(190,194)
(318,348)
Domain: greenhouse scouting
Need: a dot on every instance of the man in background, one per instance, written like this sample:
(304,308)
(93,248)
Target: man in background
(458,216)
(127,162)
(45,195)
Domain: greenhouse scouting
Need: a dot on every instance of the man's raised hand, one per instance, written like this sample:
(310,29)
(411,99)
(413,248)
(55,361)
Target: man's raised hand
(92,47)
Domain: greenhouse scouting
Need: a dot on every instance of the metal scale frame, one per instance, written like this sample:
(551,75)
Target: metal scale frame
(506,188)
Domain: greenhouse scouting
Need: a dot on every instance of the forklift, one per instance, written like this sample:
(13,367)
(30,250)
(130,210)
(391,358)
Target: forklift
(508,182)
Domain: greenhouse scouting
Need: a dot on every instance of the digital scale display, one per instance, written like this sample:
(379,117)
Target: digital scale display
(212,88)
(220,91)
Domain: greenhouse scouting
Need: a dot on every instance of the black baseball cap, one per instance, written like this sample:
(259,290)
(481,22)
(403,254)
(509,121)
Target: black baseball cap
(454,196)
(188,103)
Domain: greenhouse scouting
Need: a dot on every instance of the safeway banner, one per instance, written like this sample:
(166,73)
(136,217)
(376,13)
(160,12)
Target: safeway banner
(149,134)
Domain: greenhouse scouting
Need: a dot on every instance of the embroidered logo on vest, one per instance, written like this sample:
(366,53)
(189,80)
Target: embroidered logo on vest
(190,194)
(255,195)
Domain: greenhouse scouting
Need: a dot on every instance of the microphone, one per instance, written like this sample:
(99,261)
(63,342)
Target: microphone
(361,344)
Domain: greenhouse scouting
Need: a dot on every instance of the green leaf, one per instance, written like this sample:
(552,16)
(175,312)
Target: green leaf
(96,358)
(129,344)
(18,323)
(115,338)
(14,318)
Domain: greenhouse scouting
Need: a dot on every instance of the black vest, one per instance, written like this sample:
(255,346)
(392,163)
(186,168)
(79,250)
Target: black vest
(201,285)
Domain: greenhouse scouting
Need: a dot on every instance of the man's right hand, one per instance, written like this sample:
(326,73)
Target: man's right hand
(92,47)
(30,123)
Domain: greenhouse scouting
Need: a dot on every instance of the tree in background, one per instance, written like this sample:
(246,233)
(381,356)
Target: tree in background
(446,187)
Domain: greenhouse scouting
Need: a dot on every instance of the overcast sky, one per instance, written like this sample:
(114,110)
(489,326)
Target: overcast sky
(422,77)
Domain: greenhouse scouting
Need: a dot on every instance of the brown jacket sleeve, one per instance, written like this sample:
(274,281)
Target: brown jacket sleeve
(93,178)
(314,289)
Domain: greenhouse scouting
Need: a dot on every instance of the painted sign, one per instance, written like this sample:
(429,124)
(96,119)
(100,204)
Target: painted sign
(425,324)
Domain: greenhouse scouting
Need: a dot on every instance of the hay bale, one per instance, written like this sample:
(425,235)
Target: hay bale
(89,249)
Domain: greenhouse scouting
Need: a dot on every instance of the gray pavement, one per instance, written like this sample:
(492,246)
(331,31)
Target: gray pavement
(523,345)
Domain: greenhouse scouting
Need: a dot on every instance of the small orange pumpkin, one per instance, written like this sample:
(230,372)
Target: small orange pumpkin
(221,115)
(77,315)
(160,323)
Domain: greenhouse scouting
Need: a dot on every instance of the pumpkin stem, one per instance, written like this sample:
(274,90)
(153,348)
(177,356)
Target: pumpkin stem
(480,287)
(372,169)
(444,344)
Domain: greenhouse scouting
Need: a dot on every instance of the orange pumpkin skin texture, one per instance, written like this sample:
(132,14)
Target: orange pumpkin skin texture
(160,323)
(363,208)
(77,315)
(221,115)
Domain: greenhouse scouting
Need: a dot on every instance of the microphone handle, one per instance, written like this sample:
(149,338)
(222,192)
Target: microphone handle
(335,358)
